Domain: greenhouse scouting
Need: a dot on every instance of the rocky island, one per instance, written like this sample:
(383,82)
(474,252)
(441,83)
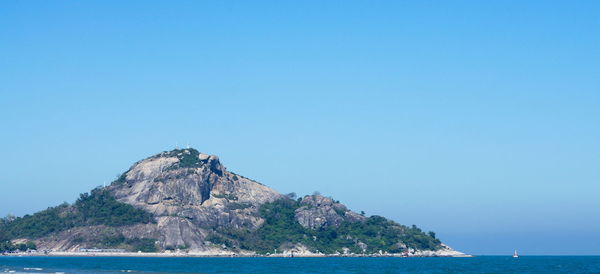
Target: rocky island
(186,202)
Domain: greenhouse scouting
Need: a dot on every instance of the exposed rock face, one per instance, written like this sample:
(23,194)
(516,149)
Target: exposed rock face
(445,251)
(194,186)
(318,212)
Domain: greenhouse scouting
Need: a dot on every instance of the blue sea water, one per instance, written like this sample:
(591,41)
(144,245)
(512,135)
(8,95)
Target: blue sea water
(483,264)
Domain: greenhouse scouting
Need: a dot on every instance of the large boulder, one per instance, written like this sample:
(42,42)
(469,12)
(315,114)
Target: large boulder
(316,212)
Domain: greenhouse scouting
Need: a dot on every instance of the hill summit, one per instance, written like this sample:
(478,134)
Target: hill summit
(186,201)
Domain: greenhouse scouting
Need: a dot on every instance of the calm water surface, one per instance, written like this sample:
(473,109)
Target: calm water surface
(484,264)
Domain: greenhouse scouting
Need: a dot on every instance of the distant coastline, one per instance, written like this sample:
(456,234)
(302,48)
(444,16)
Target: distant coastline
(216,255)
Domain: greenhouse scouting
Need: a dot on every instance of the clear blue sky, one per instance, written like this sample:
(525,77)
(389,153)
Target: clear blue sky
(477,120)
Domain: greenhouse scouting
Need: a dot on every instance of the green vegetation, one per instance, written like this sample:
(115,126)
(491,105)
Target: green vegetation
(97,208)
(236,206)
(340,211)
(111,237)
(181,247)
(7,245)
(282,229)
(39,224)
(121,178)
(133,244)
(188,158)
(100,208)
(142,244)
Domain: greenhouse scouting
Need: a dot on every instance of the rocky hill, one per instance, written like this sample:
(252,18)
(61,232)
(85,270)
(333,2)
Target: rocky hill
(187,201)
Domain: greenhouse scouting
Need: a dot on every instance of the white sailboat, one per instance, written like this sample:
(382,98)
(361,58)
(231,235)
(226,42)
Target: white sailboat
(515,255)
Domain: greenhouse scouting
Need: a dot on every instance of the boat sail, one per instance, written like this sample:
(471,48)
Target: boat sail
(515,255)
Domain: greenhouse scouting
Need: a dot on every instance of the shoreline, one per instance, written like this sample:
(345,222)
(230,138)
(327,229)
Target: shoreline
(223,255)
